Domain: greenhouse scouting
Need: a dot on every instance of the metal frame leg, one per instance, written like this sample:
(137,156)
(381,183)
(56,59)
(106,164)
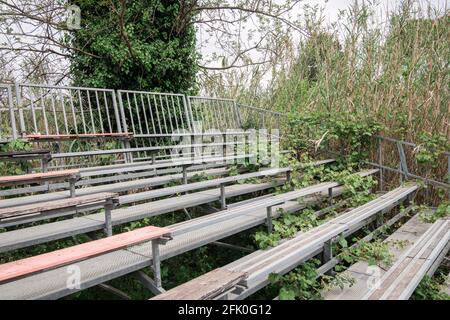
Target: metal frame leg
(108,222)
(330,196)
(128,155)
(288,177)
(327,255)
(72,187)
(45,162)
(223,200)
(185,179)
(269,220)
(156,263)
(379,219)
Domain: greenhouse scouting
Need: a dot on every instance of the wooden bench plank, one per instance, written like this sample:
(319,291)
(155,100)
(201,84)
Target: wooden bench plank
(35,177)
(54,205)
(204,287)
(58,258)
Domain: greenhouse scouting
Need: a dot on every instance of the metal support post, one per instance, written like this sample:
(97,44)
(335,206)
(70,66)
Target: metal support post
(379,219)
(327,255)
(223,200)
(156,263)
(185,179)
(72,182)
(109,205)
(330,196)
(269,220)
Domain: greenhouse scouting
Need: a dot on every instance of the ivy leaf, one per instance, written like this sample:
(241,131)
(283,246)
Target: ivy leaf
(343,242)
(286,294)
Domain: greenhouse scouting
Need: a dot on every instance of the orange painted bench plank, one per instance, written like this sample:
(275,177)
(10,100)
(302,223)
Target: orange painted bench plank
(58,258)
(37,176)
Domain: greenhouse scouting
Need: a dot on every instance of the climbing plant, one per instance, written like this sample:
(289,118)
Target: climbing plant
(14,168)
(136,45)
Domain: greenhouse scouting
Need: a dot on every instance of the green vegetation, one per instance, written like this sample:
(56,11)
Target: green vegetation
(433,288)
(140,45)
(14,168)
(430,216)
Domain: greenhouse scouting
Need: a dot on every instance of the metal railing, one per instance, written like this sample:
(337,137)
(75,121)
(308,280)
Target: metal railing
(153,114)
(253,117)
(403,167)
(215,113)
(8,124)
(56,110)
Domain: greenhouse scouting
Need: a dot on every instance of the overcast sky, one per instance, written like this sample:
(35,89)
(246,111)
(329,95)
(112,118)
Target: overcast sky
(208,46)
(333,6)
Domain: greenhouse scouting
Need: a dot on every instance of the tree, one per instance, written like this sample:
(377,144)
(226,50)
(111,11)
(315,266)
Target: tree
(133,45)
(232,35)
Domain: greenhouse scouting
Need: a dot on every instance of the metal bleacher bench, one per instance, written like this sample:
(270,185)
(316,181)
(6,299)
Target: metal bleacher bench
(69,175)
(68,256)
(400,281)
(44,155)
(187,236)
(205,287)
(252,272)
(57,208)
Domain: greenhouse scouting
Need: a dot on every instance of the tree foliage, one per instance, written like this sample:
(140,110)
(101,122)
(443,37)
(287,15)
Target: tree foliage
(133,45)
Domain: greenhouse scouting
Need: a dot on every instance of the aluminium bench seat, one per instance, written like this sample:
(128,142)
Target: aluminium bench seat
(69,175)
(90,179)
(122,186)
(21,238)
(41,154)
(115,264)
(190,235)
(51,209)
(289,254)
(205,287)
(400,281)
(63,257)
(87,174)
(284,257)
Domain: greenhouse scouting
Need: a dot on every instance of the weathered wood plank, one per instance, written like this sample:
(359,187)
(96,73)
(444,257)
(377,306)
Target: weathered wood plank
(402,278)
(54,205)
(204,287)
(35,177)
(408,234)
(27,266)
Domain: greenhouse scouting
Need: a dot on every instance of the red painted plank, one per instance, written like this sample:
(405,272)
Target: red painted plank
(44,175)
(79,252)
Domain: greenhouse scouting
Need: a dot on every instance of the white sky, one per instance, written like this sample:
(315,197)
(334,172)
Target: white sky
(331,9)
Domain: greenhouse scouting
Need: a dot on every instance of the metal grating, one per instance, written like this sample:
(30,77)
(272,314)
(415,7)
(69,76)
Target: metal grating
(56,110)
(214,114)
(8,126)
